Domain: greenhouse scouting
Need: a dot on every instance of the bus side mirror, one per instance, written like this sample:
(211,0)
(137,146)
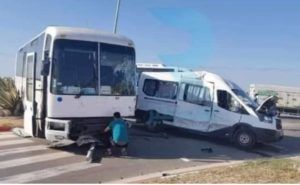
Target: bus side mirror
(45,67)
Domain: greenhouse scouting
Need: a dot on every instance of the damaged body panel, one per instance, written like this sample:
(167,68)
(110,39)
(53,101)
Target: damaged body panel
(206,103)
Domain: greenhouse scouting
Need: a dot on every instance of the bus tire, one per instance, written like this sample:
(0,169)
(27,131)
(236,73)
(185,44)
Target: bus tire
(244,138)
(152,124)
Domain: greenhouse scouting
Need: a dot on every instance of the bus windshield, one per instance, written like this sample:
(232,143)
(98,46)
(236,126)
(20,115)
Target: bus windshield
(79,68)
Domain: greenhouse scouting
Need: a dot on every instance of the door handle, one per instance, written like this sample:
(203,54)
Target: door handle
(207,110)
(216,111)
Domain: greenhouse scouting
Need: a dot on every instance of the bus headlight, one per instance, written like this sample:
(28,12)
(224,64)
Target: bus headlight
(56,126)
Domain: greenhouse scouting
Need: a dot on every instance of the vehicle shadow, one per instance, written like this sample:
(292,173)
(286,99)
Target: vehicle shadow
(173,143)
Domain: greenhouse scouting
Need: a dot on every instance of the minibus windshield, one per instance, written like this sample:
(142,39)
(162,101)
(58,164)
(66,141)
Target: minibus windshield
(80,69)
(242,95)
(245,98)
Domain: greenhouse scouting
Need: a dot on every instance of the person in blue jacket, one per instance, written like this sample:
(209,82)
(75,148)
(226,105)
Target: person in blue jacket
(119,132)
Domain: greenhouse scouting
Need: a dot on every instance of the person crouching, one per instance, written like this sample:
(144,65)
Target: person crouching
(119,132)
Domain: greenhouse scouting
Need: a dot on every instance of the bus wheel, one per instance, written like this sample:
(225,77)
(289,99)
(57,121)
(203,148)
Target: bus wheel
(152,124)
(244,138)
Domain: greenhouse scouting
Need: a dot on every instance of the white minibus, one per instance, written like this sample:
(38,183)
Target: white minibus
(206,103)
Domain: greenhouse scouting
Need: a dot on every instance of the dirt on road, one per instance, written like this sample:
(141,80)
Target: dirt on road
(7,123)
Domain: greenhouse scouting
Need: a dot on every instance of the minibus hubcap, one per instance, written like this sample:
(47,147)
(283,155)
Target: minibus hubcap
(244,138)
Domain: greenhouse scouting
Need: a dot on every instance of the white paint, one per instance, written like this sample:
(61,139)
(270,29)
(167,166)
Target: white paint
(7,136)
(34,159)
(15,142)
(47,173)
(6,133)
(185,159)
(22,150)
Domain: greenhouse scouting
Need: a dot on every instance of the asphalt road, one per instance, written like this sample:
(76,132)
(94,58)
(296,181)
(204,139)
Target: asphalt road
(27,160)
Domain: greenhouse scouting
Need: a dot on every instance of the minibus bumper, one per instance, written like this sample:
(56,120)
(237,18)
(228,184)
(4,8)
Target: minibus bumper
(268,135)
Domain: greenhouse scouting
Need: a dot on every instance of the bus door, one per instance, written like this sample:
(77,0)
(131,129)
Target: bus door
(29,100)
(195,106)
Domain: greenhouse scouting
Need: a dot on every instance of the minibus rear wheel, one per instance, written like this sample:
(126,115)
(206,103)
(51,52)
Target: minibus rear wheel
(244,138)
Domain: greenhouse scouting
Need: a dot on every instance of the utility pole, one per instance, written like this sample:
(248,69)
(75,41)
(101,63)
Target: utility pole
(117,16)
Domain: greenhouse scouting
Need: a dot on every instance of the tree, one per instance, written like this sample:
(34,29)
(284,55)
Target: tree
(9,96)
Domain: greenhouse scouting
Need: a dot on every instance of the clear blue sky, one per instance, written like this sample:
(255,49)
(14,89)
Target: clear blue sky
(255,41)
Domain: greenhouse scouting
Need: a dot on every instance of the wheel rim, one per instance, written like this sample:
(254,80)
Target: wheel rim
(244,138)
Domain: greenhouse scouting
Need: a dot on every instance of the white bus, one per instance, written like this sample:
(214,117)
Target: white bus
(72,80)
(206,103)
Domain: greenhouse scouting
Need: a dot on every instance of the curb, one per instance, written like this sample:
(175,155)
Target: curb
(169,173)
(181,171)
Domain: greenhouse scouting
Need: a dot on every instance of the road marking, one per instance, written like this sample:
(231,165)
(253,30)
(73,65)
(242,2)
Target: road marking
(47,173)
(185,159)
(33,159)
(6,133)
(22,150)
(15,142)
(6,136)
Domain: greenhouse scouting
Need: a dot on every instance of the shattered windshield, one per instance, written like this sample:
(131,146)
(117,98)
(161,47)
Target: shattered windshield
(117,70)
(245,98)
(242,95)
(82,68)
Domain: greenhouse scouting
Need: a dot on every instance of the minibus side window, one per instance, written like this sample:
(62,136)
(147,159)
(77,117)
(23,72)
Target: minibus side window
(197,94)
(150,87)
(160,89)
(226,101)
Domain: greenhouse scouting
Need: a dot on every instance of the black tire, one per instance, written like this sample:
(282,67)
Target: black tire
(152,123)
(244,138)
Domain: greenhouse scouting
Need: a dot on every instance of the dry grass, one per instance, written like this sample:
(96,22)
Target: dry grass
(11,122)
(260,171)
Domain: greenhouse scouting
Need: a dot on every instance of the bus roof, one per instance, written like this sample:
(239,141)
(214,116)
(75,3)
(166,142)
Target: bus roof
(151,65)
(84,34)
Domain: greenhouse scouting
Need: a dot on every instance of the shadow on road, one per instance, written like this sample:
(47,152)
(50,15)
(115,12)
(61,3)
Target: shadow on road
(173,143)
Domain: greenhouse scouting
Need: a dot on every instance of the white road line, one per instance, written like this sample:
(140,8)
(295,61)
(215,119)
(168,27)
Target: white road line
(47,173)
(185,159)
(7,136)
(15,142)
(33,159)
(22,150)
(6,133)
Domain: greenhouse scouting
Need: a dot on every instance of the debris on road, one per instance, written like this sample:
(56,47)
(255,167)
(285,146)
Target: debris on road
(20,132)
(208,150)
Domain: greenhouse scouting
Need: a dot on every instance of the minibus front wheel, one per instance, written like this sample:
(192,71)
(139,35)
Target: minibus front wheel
(153,122)
(244,138)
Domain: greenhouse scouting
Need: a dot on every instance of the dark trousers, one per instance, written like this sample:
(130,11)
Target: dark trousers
(108,142)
